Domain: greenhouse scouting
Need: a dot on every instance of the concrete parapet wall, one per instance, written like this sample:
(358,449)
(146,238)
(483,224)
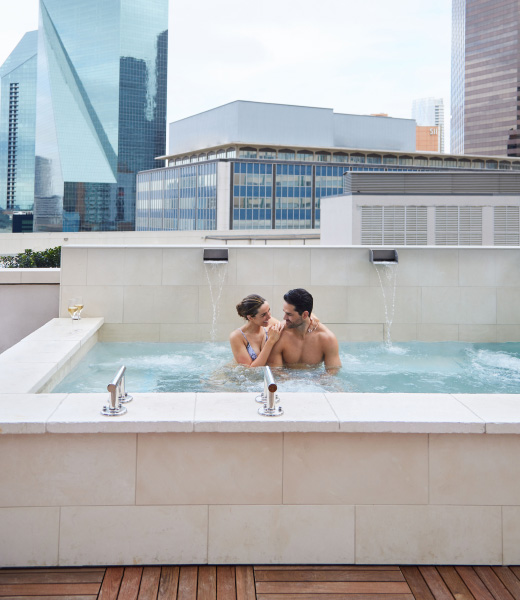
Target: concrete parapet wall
(75,499)
(163,293)
(28,299)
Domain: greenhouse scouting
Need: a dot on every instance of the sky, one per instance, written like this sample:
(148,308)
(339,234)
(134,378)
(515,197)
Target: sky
(357,57)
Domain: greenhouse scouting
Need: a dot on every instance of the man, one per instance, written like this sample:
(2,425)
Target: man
(297,346)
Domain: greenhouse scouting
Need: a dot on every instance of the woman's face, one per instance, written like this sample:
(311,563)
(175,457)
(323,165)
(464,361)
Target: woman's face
(263,316)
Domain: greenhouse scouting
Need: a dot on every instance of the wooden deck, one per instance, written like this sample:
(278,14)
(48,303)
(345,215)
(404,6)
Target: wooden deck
(262,583)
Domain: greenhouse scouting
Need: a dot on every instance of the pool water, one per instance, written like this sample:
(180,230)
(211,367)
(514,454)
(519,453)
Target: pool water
(441,367)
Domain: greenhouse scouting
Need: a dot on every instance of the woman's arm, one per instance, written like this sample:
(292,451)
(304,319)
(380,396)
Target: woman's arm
(241,354)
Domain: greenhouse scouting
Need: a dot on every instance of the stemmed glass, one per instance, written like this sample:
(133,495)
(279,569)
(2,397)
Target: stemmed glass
(75,306)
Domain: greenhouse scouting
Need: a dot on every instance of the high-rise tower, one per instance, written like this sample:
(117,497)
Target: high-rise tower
(485,88)
(430,112)
(101,109)
(17,125)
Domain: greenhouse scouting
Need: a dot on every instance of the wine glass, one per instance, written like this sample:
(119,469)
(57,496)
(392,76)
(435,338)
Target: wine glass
(79,306)
(72,307)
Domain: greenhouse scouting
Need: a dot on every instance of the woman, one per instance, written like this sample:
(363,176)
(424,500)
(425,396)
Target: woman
(252,343)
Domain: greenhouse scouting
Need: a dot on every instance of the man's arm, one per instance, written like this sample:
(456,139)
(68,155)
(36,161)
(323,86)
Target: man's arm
(331,354)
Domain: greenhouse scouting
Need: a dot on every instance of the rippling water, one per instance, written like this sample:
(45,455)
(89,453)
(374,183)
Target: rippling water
(452,367)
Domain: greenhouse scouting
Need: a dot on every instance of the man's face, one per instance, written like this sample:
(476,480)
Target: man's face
(291,317)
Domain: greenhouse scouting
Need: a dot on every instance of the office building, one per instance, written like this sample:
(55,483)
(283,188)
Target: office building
(429,112)
(256,166)
(17,127)
(485,77)
(101,109)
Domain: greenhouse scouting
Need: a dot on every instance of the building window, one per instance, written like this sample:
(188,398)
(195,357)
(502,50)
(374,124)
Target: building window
(323,156)
(305,155)
(406,161)
(267,153)
(247,152)
(286,154)
(357,158)
(341,157)
(420,161)
(293,197)
(374,159)
(252,195)
(389,159)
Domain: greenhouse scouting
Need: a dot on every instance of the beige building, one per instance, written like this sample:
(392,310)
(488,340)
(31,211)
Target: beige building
(428,138)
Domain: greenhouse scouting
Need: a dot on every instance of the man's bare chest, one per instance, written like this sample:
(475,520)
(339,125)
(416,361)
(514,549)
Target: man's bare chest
(307,351)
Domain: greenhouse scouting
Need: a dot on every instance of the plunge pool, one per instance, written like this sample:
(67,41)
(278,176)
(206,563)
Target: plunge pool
(434,367)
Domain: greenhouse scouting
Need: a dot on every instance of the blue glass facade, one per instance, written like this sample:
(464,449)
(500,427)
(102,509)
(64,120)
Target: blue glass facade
(101,109)
(17,127)
(184,198)
(252,195)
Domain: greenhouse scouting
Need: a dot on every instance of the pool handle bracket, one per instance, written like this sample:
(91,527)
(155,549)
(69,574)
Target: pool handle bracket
(118,396)
(269,397)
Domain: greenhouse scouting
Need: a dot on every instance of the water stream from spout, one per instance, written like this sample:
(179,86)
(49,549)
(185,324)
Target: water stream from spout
(387,273)
(215,274)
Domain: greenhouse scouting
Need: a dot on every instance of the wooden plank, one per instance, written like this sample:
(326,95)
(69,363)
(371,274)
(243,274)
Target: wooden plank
(310,574)
(111,583)
(168,584)
(508,578)
(29,576)
(326,567)
(149,583)
(187,583)
(474,583)
(49,589)
(436,583)
(335,597)
(207,586)
(56,570)
(493,583)
(455,584)
(129,588)
(332,587)
(418,586)
(226,583)
(245,579)
(516,571)
(50,597)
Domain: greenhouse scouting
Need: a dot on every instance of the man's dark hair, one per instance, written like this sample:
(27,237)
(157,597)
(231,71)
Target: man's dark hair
(300,299)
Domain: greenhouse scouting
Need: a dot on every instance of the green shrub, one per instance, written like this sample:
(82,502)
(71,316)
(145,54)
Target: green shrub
(50,258)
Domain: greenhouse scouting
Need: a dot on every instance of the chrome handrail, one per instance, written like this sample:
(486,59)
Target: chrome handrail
(269,396)
(118,395)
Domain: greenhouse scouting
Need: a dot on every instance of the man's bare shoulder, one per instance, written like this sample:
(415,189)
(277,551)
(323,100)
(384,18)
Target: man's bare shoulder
(324,333)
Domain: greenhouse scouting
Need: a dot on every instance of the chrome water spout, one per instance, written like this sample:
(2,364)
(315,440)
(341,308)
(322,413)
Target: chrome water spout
(269,397)
(118,395)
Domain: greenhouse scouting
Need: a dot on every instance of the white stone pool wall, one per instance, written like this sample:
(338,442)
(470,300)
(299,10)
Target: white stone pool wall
(202,478)
(162,293)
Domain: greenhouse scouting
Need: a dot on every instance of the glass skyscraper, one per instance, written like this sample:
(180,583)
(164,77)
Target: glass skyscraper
(101,109)
(485,77)
(17,125)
